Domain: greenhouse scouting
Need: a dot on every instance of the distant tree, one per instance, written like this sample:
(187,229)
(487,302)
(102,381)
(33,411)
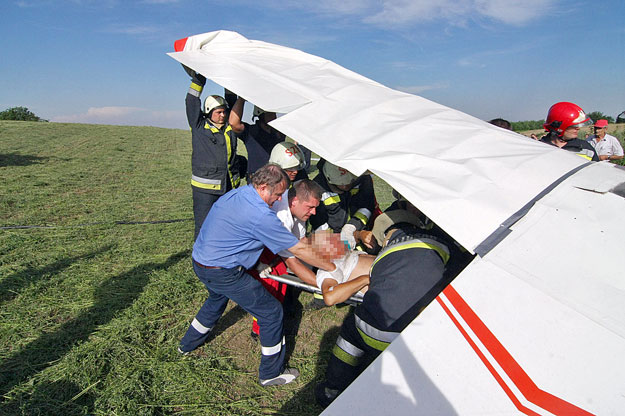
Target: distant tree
(19,113)
(598,115)
(527,125)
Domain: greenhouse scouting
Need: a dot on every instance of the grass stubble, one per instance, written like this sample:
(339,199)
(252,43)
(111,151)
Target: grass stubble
(91,311)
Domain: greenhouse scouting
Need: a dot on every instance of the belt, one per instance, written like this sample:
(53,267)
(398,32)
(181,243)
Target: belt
(206,267)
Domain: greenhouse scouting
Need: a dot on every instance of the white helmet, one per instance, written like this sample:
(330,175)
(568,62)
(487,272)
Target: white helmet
(212,102)
(336,175)
(287,155)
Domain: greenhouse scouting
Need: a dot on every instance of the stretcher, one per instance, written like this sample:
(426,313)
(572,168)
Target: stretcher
(292,280)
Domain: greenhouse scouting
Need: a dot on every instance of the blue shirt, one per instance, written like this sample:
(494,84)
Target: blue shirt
(237,228)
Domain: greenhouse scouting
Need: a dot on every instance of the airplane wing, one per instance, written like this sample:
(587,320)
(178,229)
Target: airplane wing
(536,323)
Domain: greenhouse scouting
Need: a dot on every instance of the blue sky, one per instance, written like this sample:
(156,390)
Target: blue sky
(105,61)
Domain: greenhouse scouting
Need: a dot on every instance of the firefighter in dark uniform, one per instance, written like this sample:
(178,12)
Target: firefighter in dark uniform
(412,268)
(259,138)
(215,166)
(347,203)
(564,120)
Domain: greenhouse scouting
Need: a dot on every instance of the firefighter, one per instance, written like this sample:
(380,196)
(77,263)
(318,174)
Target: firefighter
(215,166)
(412,268)
(259,138)
(289,157)
(348,201)
(563,123)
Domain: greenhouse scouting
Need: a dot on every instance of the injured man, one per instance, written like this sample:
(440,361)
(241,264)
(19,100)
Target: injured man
(351,276)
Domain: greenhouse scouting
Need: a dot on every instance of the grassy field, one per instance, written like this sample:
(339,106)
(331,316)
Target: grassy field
(94,299)
(97,288)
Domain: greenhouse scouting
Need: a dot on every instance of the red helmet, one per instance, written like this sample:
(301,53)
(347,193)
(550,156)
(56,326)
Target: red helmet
(563,115)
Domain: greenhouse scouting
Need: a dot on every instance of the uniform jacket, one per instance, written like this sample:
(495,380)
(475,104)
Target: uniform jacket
(354,206)
(214,149)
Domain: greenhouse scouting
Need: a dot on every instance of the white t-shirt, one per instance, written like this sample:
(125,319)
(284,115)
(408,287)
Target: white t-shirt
(292,224)
(608,146)
(346,264)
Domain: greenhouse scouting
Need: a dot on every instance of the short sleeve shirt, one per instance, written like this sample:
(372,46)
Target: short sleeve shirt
(608,146)
(292,224)
(237,228)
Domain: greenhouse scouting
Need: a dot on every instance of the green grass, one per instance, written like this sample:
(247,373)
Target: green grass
(91,311)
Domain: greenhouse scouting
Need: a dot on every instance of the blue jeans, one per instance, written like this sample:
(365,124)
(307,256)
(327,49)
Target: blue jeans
(249,293)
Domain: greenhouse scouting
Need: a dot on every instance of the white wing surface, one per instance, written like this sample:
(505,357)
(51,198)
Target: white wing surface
(536,323)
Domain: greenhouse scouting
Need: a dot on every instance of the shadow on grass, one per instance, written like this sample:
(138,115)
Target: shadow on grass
(12,284)
(303,403)
(14,159)
(111,297)
(53,398)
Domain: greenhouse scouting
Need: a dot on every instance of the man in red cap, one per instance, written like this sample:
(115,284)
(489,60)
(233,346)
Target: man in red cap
(607,147)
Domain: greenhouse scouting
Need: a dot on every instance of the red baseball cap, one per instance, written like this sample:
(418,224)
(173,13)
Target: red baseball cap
(601,123)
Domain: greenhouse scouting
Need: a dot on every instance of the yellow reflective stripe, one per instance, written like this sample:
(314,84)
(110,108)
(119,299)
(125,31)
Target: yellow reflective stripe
(205,185)
(229,157)
(354,191)
(213,129)
(318,296)
(349,348)
(196,87)
(584,156)
(362,217)
(372,342)
(345,357)
(418,244)
(332,200)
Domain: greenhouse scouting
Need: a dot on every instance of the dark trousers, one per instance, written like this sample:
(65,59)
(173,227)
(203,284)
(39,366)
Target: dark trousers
(350,356)
(202,203)
(247,292)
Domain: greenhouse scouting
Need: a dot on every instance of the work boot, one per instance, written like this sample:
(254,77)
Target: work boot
(287,376)
(325,394)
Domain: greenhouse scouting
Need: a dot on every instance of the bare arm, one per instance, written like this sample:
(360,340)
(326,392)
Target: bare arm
(301,271)
(334,293)
(610,157)
(235,116)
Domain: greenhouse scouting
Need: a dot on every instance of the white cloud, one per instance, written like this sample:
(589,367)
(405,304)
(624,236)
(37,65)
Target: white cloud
(392,13)
(126,116)
(418,89)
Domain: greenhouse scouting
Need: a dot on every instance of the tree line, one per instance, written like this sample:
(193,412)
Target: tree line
(20,114)
(24,114)
(519,126)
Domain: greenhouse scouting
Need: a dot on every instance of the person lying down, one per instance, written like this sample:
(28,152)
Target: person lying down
(351,276)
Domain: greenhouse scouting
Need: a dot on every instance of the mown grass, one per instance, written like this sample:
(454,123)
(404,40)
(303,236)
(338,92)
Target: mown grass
(91,311)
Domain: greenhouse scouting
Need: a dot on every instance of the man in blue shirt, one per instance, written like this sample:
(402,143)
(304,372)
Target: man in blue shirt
(230,241)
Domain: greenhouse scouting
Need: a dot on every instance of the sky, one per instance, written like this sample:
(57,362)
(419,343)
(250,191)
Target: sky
(105,62)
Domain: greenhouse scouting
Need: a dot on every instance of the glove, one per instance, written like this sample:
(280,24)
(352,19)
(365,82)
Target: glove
(264,270)
(199,79)
(347,235)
